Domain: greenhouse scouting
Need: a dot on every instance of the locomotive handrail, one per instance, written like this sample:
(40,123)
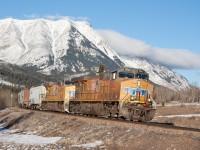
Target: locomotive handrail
(125,97)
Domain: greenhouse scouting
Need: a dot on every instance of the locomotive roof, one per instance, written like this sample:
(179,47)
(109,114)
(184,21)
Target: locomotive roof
(128,69)
(84,78)
(121,69)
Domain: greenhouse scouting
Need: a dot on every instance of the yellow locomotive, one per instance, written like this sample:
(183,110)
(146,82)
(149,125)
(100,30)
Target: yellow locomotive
(125,92)
(58,96)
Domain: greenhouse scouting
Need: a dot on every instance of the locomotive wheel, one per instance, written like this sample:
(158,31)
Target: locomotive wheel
(125,113)
(130,115)
(147,116)
(150,114)
(142,118)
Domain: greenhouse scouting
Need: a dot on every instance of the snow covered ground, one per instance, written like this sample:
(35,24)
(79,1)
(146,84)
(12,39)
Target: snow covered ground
(5,83)
(80,133)
(186,115)
(175,104)
(12,136)
(90,145)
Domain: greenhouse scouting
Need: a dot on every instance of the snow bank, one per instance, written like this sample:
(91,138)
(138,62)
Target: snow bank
(5,83)
(89,145)
(186,115)
(10,136)
(173,104)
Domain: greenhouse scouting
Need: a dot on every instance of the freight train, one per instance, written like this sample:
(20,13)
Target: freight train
(125,93)
(48,96)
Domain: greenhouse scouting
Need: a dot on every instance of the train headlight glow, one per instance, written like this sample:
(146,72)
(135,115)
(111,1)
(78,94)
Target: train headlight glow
(132,98)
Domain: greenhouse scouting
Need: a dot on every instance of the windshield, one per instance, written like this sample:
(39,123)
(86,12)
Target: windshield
(142,76)
(126,75)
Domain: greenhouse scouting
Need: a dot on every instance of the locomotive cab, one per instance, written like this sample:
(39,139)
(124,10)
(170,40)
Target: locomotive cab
(130,73)
(136,101)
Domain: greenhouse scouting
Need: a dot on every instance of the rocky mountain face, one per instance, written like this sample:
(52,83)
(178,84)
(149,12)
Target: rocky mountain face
(70,47)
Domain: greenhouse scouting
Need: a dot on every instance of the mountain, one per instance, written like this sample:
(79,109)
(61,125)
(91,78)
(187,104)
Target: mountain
(15,76)
(159,74)
(68,47)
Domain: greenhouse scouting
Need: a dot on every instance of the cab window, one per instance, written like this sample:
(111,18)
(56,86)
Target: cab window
(122,75)
(142,76)
(126,75)
(130,75)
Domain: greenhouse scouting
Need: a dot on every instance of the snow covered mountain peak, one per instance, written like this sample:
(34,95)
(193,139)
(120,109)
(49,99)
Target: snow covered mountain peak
(68,46)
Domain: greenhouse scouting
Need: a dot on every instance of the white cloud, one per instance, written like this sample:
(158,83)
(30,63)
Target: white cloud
(54,17)
(31,16)
(175,58)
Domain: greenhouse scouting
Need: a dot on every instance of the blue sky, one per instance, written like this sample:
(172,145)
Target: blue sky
(167,25)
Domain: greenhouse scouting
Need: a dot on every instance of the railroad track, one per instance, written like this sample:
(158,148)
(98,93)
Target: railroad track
(149,124)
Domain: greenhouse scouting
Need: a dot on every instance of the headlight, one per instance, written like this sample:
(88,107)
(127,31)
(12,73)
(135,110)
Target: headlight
(132,98)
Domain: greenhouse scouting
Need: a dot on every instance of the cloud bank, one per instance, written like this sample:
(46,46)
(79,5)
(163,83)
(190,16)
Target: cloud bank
(174,58)
(53,17)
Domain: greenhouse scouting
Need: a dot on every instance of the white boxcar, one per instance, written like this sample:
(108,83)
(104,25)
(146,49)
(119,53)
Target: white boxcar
(20,98)
(37,94)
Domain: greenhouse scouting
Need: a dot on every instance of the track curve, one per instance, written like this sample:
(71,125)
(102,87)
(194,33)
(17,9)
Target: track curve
(116,120)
